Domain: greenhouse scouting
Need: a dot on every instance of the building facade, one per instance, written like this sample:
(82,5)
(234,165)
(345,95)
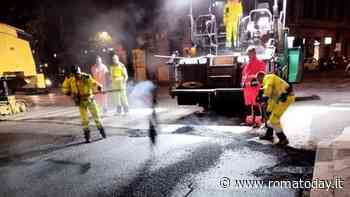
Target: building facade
(323,24)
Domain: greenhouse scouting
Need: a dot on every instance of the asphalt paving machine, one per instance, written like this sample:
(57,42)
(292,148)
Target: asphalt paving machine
(212,79)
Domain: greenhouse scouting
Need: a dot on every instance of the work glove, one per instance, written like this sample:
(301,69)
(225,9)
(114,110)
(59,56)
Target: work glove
(283,97)
(261,98)
(254,83)
(258,99)
(264,98)
(268,114)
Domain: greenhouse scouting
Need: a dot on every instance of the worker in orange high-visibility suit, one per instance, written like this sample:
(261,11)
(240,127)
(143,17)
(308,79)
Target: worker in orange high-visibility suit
(80,86)
(119,77)
(278,95)
(99,72)
(232,14)
(250,91)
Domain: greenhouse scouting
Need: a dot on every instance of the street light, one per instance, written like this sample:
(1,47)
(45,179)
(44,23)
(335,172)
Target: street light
(104,36)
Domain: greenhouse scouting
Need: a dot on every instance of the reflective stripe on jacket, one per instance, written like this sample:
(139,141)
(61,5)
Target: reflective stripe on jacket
(82,88)
(119,76)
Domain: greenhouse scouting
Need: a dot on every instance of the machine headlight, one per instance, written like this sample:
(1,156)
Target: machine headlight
(48,82)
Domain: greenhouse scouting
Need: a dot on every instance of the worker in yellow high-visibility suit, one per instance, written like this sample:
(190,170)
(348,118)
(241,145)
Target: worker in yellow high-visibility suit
(278,95)
(232,14)
(119,77)
(80,86)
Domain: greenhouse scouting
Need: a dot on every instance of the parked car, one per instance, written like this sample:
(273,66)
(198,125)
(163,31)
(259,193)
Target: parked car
(327,63)
(311,64)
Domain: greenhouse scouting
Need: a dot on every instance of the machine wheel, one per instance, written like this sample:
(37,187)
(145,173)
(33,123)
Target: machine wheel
(192,84)
(21,106)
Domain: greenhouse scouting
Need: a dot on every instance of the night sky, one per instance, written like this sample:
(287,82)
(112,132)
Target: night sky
(65,26)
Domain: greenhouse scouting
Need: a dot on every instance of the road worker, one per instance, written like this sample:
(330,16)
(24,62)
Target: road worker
(145,93)
(99,72)
(232,14)
(278,95)
(119,77)
(250,92)
(80,87)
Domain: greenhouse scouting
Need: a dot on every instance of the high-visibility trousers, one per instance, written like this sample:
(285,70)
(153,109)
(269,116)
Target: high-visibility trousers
(120,98)
(231,32)
(89,105)
(278,110)
(250,94)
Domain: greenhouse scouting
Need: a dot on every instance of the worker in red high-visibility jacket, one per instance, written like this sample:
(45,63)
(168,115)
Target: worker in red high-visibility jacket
(250,91)
(99,72)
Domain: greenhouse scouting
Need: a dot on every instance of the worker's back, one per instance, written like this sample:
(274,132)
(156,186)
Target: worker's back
(274,86)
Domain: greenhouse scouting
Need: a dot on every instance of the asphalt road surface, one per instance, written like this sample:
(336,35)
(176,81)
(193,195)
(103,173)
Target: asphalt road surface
(197,154)
(42,154)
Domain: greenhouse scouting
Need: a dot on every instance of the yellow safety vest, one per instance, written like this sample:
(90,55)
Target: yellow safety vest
(118,71)
(82,88)
(119,76)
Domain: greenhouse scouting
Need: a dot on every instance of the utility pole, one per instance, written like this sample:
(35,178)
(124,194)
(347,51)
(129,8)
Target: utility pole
(191,18)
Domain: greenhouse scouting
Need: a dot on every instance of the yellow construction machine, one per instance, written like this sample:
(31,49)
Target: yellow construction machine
(17,69)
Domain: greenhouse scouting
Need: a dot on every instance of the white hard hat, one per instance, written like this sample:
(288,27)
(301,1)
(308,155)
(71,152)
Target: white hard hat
(115,58)
(250,48)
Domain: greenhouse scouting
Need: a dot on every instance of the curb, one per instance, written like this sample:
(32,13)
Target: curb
(307,98)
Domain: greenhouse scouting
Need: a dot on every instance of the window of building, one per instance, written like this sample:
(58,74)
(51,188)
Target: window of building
(290,41)
(328,40)
(316,49)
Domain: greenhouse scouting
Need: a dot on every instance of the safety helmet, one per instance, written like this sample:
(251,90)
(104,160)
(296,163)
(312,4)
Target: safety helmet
(115,58)
(250,48)
(75,69)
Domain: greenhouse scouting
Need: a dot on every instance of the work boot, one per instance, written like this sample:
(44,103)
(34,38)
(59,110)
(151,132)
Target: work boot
(268,135)
(250,120)
(87,135)
(102,132)
(283,141)
(257,122)
(126,109)
(104,110)
(118,110)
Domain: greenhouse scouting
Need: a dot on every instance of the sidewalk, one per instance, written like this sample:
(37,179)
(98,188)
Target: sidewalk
(323,124)
(333,163)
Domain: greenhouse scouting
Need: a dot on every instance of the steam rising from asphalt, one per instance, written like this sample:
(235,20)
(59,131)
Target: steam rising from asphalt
(141,94)
(120,22)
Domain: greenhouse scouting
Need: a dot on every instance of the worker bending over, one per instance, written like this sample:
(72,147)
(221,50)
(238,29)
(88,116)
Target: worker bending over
(278,95)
